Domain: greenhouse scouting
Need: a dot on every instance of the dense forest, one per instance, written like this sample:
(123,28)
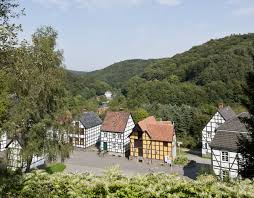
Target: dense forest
(185,88)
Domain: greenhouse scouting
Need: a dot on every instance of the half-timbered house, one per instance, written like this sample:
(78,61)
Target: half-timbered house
(14,156)
(3,141)
(222,115)
(115,131)
(224,147)
(153,139)
(86,130)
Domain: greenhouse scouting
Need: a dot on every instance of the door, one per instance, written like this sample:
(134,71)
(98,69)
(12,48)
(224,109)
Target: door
(105,146)
(140,152)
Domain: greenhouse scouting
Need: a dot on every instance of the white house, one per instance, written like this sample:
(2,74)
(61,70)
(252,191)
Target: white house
(87,130)
(14,156)
(224,147)
(3,141)
(108,95)
(115,131)
(223,114)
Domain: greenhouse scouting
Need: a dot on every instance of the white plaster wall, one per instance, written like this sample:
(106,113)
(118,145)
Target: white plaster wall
(211,127)
(231,165)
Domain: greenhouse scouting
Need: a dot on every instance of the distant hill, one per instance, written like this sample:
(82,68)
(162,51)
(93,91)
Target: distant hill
(121,72)
(185,88)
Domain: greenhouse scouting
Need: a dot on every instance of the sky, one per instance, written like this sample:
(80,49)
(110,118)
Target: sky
(97,33)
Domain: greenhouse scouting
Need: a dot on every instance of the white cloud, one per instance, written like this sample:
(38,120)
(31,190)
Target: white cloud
(65,4)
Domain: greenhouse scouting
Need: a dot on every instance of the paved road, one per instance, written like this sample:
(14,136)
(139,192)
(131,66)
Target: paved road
(89,161)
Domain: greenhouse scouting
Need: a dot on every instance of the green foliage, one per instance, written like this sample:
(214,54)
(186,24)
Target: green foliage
(139,115)
(38,97)
(117,74)
(39,183)
(246,144)
(181,159)
(55,168)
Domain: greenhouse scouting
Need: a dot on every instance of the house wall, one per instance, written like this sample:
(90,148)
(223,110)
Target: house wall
(208,132)
(3,141)
(151,149)
(117,142)
(14,158)
(231,165)
(83,138)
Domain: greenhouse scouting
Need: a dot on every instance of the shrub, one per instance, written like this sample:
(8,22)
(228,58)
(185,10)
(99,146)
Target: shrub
(181,160)
(55,168)
(40,183)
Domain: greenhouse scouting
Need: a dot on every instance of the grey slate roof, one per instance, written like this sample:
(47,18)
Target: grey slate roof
(228,134)
(227,113)
(225,140)
(90,120)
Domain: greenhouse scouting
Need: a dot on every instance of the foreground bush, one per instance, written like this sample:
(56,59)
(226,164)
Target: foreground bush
(54,168)
(113,184)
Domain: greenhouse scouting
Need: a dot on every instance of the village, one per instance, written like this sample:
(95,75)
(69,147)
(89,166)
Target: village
(148,146)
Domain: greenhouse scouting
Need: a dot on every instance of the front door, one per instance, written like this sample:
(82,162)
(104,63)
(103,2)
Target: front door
(105,146)
(140,152)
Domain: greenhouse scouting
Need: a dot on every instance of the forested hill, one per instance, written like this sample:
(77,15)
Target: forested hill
(120,72)
(187,87)
(218,60)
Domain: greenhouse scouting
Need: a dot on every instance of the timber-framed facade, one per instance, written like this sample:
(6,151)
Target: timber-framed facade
(3,141)
(222,115)
(224,148)
(86,130)
(115,132)
(15,161)
(153,139)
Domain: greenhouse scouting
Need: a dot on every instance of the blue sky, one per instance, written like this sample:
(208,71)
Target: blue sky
(96,33)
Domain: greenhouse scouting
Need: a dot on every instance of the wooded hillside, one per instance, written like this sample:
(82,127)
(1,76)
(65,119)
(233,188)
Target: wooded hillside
(187,87)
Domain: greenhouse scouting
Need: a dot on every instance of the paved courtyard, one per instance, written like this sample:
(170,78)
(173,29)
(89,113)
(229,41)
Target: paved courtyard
(90,161)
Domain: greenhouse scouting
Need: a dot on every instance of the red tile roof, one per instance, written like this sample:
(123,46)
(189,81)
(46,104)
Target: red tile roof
(158,130)
(115,122)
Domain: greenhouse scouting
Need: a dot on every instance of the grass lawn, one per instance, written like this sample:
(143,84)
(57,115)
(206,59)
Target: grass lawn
(54,168)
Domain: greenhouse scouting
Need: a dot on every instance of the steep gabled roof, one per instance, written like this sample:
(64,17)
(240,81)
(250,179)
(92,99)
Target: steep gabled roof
(228,134)
(90,119)
(227,113)
(115,122)
(19,137)
(157,130)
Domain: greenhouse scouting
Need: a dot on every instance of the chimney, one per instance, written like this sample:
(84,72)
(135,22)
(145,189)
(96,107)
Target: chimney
(221,105)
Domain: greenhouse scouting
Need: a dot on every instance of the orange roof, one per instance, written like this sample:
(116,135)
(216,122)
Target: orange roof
(157,130)
(115,122)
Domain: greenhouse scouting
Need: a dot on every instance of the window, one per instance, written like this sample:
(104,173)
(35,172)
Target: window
(114,135)
(224,156)
(165,144)
(209,134)
(113,145)
(81,131)
(225,174)
(205,146)
(82,141)
(119,136)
